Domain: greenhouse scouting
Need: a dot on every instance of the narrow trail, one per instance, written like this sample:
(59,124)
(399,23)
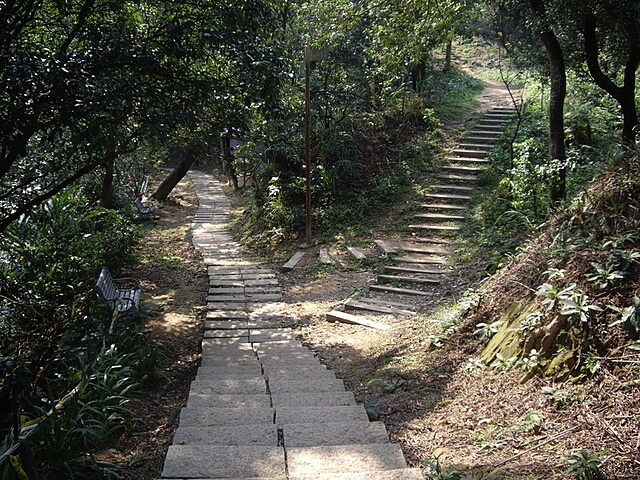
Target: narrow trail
(262,405)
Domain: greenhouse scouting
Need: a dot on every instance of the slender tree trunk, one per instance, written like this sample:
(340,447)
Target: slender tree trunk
(624,95)
(447,55)
(107,182)
(178,173)
(557,94)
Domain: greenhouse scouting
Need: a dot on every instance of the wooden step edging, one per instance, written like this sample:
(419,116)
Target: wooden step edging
(293,262)
(336,316)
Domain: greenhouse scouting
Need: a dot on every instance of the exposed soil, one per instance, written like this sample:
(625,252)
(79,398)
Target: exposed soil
(435,401)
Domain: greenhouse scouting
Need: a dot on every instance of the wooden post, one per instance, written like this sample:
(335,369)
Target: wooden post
(307,142)
(311,56)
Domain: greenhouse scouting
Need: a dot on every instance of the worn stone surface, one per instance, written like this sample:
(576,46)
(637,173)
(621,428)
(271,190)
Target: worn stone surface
(315,399)
(213,415)
(334,433)
(401,474)
(214,461)
(262,434)
(317,414)
(343,459)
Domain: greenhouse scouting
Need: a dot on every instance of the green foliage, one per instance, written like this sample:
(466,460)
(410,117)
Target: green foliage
(629,318)
(50,260)
(584,465)
(97,409)
(440,472)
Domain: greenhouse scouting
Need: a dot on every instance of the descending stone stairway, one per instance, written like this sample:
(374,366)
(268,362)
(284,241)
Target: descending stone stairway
(419,263)
(262,406)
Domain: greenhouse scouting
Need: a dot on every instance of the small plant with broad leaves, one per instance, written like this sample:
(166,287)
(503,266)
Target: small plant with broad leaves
(577,305)
(502,363)
(557,395)
(629,318)
(584,465)
(487,330)
(439,472)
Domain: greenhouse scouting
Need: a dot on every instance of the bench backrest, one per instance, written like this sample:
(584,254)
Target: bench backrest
(106,287)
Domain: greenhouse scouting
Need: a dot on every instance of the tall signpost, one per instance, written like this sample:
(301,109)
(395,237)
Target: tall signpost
(311,55)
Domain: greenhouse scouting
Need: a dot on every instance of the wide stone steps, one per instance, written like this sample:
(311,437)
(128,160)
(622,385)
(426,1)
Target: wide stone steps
(262,406)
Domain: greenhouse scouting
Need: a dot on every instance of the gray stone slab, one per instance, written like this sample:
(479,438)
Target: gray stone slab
(214,333)
(232,387)
(230,370)
(334,433)
(259,336)
(231,343)
(344,459)
(399,474)
(226,315)
(216,416)
(214,461)
(228,401)
(315,385)
(226,324)
(326,399)
(226,306)
(284,374)
(344,413)
(231,363)
(264,434)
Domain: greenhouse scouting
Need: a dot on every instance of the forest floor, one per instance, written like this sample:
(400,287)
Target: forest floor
(435,399)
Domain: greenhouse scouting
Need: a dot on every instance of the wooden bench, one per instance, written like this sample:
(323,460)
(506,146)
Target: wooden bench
(121,295)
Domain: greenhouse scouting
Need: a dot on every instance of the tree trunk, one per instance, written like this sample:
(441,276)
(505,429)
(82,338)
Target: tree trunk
(624,95)
(447,55)
(178,173)
(557,94)
(107,183)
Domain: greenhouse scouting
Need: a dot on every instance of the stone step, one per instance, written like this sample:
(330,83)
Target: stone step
(334,433)
(453,188)
(423,260)
(228,401)
(425,249)
(447,196)
(418,271)
(343,459)
(462,168)
(376,307)
(315,385)
(228,386)
(475,146)
(401,279)
(443,228)
(479,139)
(443,217)
(385,247)
(443,206)
(488,127)
(314,399)
(211,461)
(218,416)
(467,160)
(466,153)
(317,414)
(399,291)
(312,375)
(376,301)
(400,474)
(457,177)
(261,434)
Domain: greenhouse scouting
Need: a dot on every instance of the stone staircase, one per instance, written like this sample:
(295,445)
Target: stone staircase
(419,262)
(262,406)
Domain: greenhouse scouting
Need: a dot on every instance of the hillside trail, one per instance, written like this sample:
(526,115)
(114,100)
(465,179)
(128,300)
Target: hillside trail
(176,285)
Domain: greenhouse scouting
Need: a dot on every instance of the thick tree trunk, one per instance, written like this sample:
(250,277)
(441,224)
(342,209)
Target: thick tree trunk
(557,94)
(178,173)
(624,95)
